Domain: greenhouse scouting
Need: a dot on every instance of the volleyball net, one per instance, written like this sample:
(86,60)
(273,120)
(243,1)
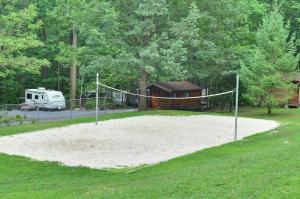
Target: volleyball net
(174,99)
(161,99)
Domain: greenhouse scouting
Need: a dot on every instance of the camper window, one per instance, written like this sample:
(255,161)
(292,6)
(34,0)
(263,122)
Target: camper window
(29,96)
(55,96)
(36,97)
(42,96)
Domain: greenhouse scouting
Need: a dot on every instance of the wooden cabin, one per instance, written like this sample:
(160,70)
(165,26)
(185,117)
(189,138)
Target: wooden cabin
(175,90)
(295,100)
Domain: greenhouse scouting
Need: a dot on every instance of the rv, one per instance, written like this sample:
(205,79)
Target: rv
(44,99)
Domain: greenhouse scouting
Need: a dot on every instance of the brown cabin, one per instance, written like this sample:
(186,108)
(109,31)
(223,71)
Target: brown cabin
(295,100)
(175,89)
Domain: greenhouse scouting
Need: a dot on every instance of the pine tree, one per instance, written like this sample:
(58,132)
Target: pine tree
(272,58)
(149,46)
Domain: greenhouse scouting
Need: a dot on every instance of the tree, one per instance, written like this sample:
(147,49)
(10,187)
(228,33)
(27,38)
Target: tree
(89,37)
(102,44)
(18,40)
(187,30)
(148,44)
(273,56)
(216,35)
(18,35)
(69,15)
(291,11)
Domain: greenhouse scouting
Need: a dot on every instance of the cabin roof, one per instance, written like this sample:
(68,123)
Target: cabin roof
(176,86)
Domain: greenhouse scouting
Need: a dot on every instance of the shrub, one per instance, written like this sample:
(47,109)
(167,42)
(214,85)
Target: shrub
(90,104)
(7,120)
(20,119)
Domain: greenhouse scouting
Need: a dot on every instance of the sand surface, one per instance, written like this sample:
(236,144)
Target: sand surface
(130,141)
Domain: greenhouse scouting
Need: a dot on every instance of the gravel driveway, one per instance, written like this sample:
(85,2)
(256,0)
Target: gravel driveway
(62,115)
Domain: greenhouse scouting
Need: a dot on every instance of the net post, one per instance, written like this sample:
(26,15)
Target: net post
(236,105)
(97,97)
(232,102)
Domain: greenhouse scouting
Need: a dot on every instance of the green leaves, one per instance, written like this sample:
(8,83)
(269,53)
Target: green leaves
(152,8)
(201,41)
(272,57)
(150,41)
(18,35)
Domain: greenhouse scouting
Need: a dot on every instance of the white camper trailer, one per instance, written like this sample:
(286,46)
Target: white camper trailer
(44,99)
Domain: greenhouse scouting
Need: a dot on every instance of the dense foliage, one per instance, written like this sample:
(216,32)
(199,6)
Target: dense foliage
(61,44)
(271,59)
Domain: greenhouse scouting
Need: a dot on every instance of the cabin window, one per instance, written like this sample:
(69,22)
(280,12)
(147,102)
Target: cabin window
(186,94)
(29,96)
(173,94)
(36,97)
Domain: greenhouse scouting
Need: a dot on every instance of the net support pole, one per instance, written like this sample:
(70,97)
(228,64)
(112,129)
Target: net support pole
(236,105)
(97,97)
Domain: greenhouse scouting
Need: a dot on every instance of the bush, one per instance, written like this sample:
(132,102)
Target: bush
(7,120)
(20,119)
(90,104)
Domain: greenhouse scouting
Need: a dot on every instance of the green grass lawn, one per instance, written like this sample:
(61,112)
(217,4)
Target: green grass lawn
(266,165)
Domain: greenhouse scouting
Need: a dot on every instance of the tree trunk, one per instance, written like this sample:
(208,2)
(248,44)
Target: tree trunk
(58,77)
(143,89)
(73,69)
(81,90)
(269,109)
(21,83)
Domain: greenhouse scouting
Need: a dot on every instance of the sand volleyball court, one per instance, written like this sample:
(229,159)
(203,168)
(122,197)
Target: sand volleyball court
(130,141)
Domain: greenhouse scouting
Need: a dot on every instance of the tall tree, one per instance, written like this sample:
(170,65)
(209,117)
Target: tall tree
(69,15)
(102,44)
(187,30)
(148,43)
(18,35)
(273,56)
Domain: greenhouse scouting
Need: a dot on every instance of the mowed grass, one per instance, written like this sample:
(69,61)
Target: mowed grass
(266,165)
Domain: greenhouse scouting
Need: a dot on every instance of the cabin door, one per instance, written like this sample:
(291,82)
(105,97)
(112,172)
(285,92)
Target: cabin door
(154,102)
(295,100)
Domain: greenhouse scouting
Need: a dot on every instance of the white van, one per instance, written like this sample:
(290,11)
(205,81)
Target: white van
(44,99)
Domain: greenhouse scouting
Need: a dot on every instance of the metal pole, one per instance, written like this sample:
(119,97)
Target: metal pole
(236,105)
(97,97)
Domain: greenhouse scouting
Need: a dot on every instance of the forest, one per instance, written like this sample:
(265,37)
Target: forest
(62,44)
